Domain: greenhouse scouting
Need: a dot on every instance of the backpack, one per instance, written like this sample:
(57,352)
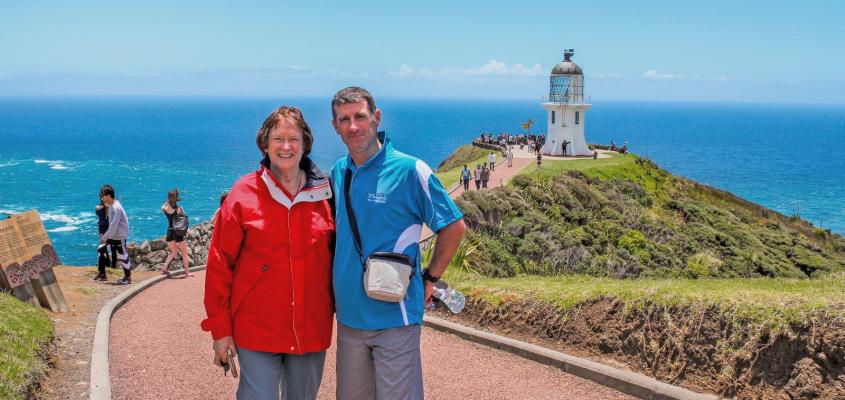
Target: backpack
(180,223)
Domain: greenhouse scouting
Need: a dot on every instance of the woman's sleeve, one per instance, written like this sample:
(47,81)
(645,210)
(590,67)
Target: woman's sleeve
(226,241)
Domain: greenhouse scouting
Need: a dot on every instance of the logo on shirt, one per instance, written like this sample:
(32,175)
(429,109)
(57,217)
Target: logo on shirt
(379,198)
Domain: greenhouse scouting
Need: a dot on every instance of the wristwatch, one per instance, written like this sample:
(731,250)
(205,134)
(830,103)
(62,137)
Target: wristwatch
(427,276)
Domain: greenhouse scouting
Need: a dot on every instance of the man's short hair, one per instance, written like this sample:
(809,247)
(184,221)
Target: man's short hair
(353,94)
(107,190)
(294,117)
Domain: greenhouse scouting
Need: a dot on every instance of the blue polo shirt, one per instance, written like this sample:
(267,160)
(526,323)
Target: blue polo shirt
(393,195)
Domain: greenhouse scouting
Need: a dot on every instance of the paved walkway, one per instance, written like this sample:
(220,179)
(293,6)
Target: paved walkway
(159,352)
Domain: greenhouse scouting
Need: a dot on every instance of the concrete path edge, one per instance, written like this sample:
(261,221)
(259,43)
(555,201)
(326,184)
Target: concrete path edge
(624,381)
(100,382)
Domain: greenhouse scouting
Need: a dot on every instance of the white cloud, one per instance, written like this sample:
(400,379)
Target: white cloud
(298,68)
(491,69)
(605,76)
(656,76)
(403,71)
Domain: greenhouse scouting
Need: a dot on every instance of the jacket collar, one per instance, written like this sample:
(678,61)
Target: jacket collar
(314,176)
(316,188)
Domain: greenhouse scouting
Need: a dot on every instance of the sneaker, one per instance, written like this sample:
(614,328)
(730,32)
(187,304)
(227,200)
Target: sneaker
(123,281)
(99,278)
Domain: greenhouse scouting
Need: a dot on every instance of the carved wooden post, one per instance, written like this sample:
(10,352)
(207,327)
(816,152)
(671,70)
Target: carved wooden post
(27,259)
(16,280)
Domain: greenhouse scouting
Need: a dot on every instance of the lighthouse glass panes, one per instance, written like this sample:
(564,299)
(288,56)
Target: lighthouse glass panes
(566,89)
(559,89)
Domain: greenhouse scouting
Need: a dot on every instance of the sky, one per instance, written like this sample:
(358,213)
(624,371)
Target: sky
(724,51)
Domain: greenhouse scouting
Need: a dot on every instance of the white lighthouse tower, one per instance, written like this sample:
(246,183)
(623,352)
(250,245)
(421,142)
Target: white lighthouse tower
(566,109)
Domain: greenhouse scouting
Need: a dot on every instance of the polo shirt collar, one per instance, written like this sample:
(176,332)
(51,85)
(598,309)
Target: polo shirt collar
(376,159)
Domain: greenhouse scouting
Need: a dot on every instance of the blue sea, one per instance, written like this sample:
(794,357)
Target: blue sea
(55,153)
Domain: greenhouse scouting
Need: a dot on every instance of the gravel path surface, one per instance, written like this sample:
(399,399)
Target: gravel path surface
(74,330)
(158,351)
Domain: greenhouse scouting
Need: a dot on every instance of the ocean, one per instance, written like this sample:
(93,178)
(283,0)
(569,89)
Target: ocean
(55,153)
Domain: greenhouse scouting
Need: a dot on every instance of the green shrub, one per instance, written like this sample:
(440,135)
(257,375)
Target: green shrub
(703,265)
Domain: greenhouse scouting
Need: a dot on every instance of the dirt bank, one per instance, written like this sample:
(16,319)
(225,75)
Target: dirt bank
(706,350)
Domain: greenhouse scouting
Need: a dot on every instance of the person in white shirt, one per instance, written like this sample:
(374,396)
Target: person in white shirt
(491,159)
(117,233)
(510,157)
(477,176)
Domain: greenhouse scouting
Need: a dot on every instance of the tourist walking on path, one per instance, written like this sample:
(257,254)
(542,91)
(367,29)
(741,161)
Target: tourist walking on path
(491,159)
(485,177)
(115,236)
(465,177)
(103,259)
(539,159)
(175,239)
(509,156)
(268,290)
(477,176)
(378,342)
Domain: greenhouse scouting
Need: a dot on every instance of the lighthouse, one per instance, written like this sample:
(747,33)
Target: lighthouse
(566,108)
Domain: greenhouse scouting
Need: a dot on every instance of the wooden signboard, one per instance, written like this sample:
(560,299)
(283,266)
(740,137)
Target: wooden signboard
(27,259)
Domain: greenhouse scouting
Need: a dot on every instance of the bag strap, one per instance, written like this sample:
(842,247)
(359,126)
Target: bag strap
(347,181)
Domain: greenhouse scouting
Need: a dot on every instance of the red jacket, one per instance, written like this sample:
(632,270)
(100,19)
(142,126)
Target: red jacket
(268,278)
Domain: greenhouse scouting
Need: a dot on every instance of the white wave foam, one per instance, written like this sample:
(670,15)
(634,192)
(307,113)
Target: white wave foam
(70,222)
(9,164)
(57,165)
(63,218)
(10,211)
(63,229)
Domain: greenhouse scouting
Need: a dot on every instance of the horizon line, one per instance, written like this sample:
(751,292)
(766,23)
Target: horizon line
(432,98)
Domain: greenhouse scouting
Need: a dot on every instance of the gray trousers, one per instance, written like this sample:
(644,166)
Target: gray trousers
(383,364)
(266,375)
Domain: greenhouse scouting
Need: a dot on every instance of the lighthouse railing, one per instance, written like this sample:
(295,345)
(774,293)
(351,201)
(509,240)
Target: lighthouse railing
(568,98)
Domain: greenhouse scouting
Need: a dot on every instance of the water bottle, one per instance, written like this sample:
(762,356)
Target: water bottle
(451,298)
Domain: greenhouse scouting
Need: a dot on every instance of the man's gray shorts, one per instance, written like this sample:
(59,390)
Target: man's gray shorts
(265,375)
(383,364)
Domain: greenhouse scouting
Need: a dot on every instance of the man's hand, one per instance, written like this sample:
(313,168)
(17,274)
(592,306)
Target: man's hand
(428,290)
(448,240)
(220,347)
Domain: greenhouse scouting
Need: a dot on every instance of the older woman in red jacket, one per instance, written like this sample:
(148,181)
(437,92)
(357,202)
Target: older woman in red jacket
(268,286)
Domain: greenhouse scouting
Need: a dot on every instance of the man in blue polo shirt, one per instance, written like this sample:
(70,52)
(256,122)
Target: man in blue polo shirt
(392,195)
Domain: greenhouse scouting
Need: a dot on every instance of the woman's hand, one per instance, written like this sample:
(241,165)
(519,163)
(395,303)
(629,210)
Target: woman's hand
(220,347)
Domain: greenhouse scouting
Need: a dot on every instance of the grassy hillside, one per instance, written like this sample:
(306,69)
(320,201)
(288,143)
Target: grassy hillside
(25,335)
(684,282)
(625,217)
(449,171)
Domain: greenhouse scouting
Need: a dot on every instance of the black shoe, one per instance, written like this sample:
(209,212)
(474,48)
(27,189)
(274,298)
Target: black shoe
(99,278)
(123,281)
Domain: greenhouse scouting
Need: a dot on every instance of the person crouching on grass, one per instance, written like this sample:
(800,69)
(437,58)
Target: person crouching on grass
(268,283)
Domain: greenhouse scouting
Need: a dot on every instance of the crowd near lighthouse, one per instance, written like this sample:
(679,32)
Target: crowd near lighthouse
(566,108)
